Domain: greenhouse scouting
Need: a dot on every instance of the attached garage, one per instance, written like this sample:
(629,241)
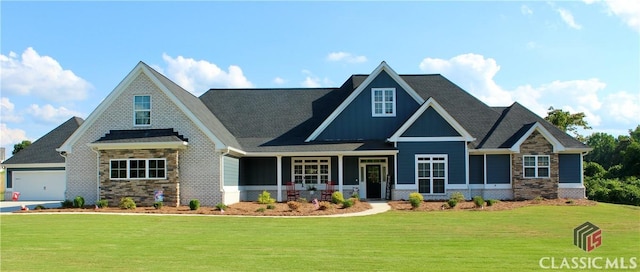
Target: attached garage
(39,185)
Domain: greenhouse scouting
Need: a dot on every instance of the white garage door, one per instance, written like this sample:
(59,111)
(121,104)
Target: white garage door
(39,185)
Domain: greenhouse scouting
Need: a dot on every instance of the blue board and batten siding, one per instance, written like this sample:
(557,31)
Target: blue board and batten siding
(231,171)
(499,169)
(455,152)
(476,169)
(355,122)
(569,168)
(430,124)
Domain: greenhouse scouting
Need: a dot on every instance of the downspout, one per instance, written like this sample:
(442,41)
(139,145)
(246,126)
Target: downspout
(222,155)
(97,173)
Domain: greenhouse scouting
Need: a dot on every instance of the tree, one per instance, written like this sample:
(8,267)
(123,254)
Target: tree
(604,146)
(567,121)
(22,145)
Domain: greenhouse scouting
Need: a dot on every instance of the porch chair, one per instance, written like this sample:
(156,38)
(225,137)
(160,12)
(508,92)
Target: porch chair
(326,194)
(292,193)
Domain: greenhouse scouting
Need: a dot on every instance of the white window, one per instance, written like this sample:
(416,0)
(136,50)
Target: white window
(431,173)
(138,169)
(311,170)
(383,102)
(142,110)
(536,166)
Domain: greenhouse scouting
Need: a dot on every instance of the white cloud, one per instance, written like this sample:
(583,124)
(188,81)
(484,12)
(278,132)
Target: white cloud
(472,72)
(624,107)
(6,111)
(526,10)
(50,114)
(475,74)
(40,76)
(567,17)
(627,10)
(279,81)
(11,135)
(198,76)
(346,57)
(313,81)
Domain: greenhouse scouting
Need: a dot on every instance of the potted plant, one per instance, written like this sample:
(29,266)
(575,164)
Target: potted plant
(312,189)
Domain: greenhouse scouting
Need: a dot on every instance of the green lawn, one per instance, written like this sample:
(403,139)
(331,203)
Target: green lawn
(394,241)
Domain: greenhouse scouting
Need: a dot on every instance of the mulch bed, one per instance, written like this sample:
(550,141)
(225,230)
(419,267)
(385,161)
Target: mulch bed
(499,206)
(309,209)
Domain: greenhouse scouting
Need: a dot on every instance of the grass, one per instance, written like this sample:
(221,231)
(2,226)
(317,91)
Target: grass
(393,241)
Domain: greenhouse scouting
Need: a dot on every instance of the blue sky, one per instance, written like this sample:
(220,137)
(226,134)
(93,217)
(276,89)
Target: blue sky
(61,59)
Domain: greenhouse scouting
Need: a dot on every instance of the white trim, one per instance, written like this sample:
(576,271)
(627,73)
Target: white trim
(279,178)
(33,165)
(135,111)
(258,187)
(452,187)
(490,186)
(557,146)
(340,172)
(431,177)
(383,102)
(536,166)
(570,186)
(134,145)
(304,163)
(382,67)
(146,169)
(323,153)
(432,103)
(430,139)
(481,151)
(140,68)
(362,168)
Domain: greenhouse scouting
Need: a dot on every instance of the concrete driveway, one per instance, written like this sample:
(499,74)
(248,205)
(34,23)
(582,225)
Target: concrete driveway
(10,206)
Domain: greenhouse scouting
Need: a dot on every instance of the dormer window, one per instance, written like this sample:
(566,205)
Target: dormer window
(142,110)
(383,102)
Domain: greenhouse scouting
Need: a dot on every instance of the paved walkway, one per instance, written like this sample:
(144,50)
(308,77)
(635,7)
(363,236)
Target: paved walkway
(7,207)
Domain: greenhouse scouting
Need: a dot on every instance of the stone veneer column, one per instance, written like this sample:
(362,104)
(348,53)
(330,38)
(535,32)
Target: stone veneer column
(140,190)
(530,188)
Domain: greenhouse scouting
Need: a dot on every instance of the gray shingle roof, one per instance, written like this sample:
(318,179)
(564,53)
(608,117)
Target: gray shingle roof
(281,119)
(142,136)
(43,150)
(197,107)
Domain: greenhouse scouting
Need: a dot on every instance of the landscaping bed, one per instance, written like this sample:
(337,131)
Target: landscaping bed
(500,205)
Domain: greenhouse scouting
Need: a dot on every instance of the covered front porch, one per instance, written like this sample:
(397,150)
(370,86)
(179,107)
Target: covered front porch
(369,175)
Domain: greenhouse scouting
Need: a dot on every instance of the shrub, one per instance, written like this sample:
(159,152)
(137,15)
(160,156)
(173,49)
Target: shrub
(157,205)
(538,199)
(570,202)
(452,203)
(221,206)
(265,198)
(261,209)
(337,198)
(293,205)
(324,205)
(355,194)
(479,201)
(127,203)
(67,203)
(271,207)
(415,199)
(78,202)
(103,203)
(39,207)
(490,202)
(302,200)
(347,203)
(457,196)
(194,204)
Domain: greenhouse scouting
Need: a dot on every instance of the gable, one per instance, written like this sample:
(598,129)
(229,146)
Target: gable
(356,121)
(171,107)
(430,124)
(354,118)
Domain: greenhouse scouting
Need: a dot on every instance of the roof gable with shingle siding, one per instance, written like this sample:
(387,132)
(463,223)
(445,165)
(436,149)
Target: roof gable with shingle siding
(43,150)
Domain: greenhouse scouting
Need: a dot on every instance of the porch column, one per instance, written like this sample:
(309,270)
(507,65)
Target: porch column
(279,177)
(340,172)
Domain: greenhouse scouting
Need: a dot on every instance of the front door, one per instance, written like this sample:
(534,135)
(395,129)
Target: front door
(374,178)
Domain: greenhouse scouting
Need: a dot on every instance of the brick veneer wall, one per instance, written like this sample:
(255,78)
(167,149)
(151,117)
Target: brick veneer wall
(199,163)
(530,188)
(140,190)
